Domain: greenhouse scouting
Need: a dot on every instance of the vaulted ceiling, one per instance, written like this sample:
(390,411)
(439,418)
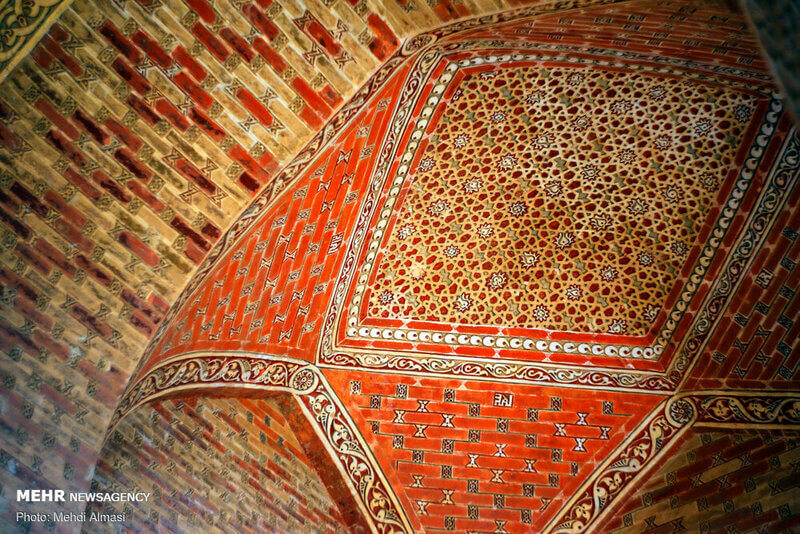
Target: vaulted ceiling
(519,266)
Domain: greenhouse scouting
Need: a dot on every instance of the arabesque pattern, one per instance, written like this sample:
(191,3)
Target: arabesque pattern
(559,198)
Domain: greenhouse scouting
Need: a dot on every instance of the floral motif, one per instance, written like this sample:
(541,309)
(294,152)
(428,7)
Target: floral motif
(508,162)
(636,206)
(564,240)
(626,156)
(620,107)
(709,181)
(497,280)
(618,326)
(650,313)
(553,188)
(663,142)
(426,164)
(518,209)
(534,97)
(742,113)
(574,292)
(386,297)
(542,141)
(576,78)
(541,313)
(581,122)
(672,194)
(558,203)
(657,93)
(473,185)
(438,207)
(529,259)
(461,140)
(463,302)
(679,248)
(498,117)
(600,222)
(406,230)
(608,273)
(702,126)
(590,171)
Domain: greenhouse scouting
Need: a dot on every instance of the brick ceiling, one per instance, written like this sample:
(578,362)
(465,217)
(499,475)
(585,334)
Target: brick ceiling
(503,267)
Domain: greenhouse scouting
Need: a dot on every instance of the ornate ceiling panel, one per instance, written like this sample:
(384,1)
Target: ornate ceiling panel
(502,281)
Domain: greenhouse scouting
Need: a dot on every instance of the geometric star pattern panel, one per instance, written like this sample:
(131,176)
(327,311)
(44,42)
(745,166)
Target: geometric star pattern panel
(131,135)
(734,481)
(474,458)
(492,289)
(560,199)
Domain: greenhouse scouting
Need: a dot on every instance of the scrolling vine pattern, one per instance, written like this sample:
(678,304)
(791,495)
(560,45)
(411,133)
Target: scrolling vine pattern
(310,389)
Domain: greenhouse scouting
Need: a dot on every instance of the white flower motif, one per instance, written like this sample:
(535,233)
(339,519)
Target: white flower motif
(508,161)
(473,185)
(636,206)
(461,140)
(485,231)
(590,171)
(438,207)
(650,313)
(564,240)
(498,117)
(553,188)
(529,259)
(663,142)
(702,126)
(575,78)
(581,122)
(417,270)
(463,302)
(609,274)
(535,97)
(497,280)
(618,326)
(518,209)
(574,292)
(542,141)
(679,248)
(600,222)
(406,230)
(672,194)
(742,112)
(657,92)
(645,259)
(541,313)
(709,181)
(451,251)
(425,164)
(489,75)
(626,155)
(621,106)
(386,297)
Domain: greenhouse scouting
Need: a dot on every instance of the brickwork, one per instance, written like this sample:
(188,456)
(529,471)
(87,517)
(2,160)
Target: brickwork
(732,482)
(757,342)
(215,465)
(136,133)
(130,138)
(474,457)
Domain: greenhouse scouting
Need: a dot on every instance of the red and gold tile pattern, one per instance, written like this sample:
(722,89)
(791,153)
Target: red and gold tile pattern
(559,198)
